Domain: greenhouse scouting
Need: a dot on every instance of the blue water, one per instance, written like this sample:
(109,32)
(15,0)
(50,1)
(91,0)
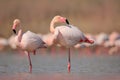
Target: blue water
(15,64)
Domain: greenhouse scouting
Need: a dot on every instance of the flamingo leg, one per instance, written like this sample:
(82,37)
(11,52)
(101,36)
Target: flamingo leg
(34,52)
(69,61)
(30,63)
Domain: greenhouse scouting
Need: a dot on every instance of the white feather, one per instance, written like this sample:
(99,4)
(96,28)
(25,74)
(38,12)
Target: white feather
(68,35)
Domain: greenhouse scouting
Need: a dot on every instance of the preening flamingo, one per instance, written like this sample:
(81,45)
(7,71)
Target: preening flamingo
(27,41)
(67,35)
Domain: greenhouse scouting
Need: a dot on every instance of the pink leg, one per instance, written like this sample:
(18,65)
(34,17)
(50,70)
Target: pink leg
(69,62)
(30,64)
(34,52)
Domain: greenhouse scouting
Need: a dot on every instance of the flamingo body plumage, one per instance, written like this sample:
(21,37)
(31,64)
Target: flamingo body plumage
(68,36)
(30,41)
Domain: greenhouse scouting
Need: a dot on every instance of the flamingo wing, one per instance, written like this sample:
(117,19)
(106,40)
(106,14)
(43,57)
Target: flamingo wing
(31,41)
(68,35)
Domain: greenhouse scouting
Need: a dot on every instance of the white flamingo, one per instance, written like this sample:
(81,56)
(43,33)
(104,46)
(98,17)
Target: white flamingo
(48,39)
(67,35)
(101,39)
(3,43)
(27,41)
(11,42)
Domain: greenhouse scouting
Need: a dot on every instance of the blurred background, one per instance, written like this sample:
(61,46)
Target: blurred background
(91,16)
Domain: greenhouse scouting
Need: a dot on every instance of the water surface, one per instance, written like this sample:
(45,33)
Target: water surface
(14,65)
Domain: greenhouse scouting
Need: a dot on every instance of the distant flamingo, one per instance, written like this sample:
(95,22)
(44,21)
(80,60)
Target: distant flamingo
(113,43)
(67,35)
(11,42)
(113,37)
(3,43)
(101,40)
(27,41)
(48,39)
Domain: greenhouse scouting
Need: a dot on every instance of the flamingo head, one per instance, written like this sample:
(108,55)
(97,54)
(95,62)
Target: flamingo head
(60,19)
(16,23)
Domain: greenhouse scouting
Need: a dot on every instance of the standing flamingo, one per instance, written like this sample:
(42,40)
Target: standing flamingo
(67,35)
(27,41)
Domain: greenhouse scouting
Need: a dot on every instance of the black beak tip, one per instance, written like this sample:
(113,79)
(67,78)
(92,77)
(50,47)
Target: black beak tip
(67,21)
(14,31)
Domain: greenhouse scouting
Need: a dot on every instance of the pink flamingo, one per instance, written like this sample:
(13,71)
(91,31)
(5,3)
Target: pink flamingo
(48,39)
(114,42)
(67,35)
(11,42)
(27,41)
(3,43)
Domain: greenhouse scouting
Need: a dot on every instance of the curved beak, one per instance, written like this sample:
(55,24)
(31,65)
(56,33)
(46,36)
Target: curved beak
(67,21)
(14,31)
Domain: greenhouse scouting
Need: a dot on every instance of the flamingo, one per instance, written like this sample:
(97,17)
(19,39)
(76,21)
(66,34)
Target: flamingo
(3,43)
(113,43)
(28,41)
(11,42)
(48,39)
(67,35)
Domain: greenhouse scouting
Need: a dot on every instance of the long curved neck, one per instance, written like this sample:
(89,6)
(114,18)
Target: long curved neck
(52,26)
(19,35)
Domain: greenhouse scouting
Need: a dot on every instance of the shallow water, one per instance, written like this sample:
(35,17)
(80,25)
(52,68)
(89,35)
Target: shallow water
(14,65)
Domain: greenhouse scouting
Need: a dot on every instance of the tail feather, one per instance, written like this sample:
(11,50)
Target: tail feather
(87,41)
